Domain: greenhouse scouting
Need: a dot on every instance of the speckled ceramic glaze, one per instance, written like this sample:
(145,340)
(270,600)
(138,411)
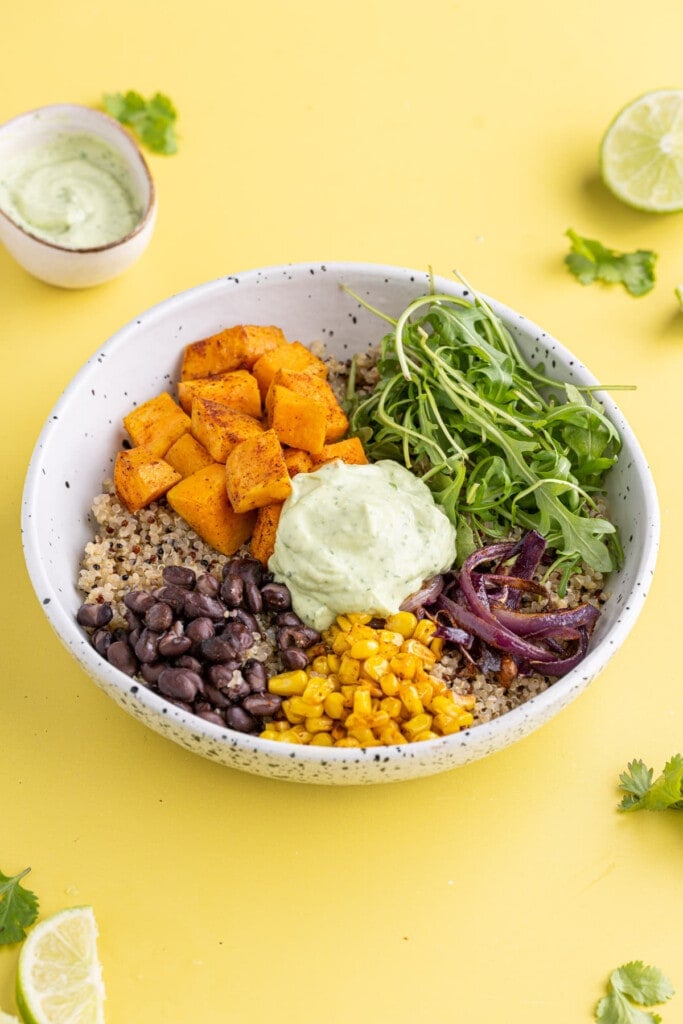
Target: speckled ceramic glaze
(76,450)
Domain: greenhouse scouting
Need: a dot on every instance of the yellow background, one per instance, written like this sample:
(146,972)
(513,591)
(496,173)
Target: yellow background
(451,134)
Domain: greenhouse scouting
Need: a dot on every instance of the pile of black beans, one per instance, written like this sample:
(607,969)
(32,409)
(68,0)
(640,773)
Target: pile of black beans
(189,640)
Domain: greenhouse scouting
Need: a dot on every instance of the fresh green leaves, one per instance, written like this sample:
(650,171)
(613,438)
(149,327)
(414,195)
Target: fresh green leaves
(152,120)
(641,793)
(632,986)
(589,261)
(18,908)
(498,443)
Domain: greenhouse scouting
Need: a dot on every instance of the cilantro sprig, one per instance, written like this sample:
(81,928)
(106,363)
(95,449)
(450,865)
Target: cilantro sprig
(630,987)
(590,260)
(18,908)
(153,120)
(642,793)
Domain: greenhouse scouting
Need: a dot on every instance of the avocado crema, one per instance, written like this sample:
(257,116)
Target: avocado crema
(358,539)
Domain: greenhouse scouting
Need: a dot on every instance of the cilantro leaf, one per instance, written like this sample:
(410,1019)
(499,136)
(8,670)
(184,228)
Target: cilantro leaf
(18,908)
(589,261)
(631,986)
(665,793)
(153,120)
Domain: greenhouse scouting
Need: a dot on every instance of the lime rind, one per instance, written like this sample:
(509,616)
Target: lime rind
(641,153)
(59,978)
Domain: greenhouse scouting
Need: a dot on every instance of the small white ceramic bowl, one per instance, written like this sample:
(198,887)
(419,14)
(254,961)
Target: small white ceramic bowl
(55,264)
(76,449)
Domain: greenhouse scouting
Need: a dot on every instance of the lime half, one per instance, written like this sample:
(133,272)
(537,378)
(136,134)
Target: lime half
(641,154)
(60,978)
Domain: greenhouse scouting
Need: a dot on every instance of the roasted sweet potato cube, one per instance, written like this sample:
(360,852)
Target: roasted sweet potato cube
(222,351)
(299,421)
(219,428)
(157,424)
(313,386)
(237,389)
(297,461)
(262,543)
(256,473)
(259,340)
(293,356)
(202,501)
(141,477)
(350,451)
(187,455)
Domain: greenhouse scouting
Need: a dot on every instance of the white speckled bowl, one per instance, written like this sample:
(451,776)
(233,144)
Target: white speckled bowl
(76,449)
(52,263)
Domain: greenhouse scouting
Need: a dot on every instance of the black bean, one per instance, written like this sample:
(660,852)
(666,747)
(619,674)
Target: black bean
(172,645)
(187,661)
(232,591)
(249,620)
(240,720)
(236,688)
(175,596)
(294,658)
(179,576)
(288,619)
(200,629)
(239,635)
(202,606)
(276,597)
(252,596)
(101,639)
(297,636)
(216,649)
(121,656)
(216,696)
(263,704)
(179,683)
(254,672)
(221,675)
(120,633)
(138,601)
(159,617)
(151,671)
(246,567)
(211,716)
(207,584)
(146,647)
(134,621)
(94,615)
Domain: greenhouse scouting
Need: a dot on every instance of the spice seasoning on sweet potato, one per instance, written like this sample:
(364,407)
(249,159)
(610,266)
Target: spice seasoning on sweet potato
(140,477)
(157,423)
(202,501)
(256,473)
(220,428)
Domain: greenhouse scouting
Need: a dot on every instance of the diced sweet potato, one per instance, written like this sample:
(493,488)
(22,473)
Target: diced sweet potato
(258,341)
(314,386)
(350,451)
(187,455)
(297,461)
(202,501)
(299,421)
(262,543)
(157,424)
(237,389)
(220,352)
(219,428)
(293,356)
(256,473)
(141,477)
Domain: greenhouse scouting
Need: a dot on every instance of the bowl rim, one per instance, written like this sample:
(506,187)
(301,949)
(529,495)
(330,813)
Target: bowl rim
(560,693)
(134,149)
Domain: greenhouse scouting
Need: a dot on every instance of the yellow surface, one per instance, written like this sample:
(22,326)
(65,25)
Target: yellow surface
(452,134)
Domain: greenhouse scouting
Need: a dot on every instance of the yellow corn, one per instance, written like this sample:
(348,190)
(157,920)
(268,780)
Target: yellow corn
(368,687)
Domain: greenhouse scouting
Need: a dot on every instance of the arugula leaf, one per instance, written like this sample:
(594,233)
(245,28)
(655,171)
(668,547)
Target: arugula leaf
(18,908)
(498,443)
(665,793)
(589,261)
(631,986)
(152,120)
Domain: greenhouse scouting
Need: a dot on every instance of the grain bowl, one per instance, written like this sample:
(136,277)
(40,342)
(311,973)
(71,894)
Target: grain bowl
(75,454)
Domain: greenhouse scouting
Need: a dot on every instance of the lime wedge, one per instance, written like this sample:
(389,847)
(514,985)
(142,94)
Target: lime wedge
(60,979)
(7,1018)
(641,154)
